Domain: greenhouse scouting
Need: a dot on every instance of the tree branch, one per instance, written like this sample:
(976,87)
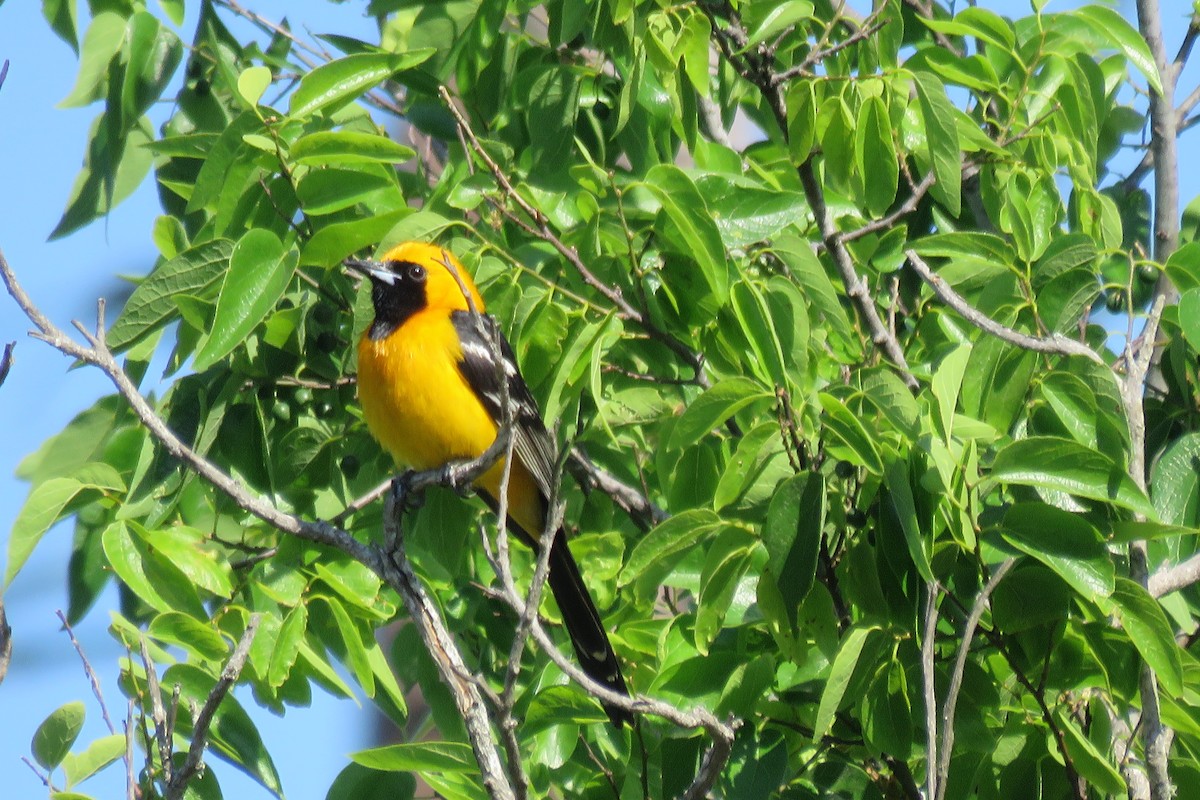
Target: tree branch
(1055,343)
(956,678)
(100,356)
(541,229)
(399,574)
(229,675)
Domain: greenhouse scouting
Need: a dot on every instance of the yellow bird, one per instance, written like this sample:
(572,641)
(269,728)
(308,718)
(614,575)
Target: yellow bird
(430,391)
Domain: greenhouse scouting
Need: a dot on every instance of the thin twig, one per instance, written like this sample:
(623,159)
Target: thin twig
(229,675)
(1055,343)
(541,229)
(956,678)
(928,684)
(131,786)
(442,648)
(162,734)
(101,357)
(87,666)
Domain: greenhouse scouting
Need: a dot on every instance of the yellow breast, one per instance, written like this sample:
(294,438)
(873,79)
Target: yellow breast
(415,400)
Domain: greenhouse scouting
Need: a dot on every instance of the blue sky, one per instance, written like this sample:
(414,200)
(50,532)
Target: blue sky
(41,149)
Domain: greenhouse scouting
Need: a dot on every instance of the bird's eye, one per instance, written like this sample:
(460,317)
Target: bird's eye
(416,273)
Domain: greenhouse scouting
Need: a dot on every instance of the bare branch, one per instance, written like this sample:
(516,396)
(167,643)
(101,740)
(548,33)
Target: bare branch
(162,733)
(541,229)
(956,678)
(100,356)
(1055,343)
(928,635)
(87,666)
(632,501)
(229,675)
(399,573)
(1172,579)
(131,785)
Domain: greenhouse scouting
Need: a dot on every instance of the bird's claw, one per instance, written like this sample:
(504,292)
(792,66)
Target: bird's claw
(402,490)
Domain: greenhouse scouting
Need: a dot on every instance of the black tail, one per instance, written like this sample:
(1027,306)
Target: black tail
(582,621)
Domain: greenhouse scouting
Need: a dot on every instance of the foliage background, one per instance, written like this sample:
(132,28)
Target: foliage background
(36,377)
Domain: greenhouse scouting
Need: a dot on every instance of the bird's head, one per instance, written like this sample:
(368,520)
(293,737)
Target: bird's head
(414,276)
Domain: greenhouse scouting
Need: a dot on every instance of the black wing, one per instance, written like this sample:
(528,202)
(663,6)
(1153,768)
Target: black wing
(532,443)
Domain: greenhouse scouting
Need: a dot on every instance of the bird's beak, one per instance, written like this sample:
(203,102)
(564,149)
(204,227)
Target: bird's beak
(375,270)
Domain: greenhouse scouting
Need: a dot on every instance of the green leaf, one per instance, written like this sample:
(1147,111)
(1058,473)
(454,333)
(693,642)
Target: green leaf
(687,211)
(745,212)
(333,243)
(946,383)
(348,147)
(669,538)
(792,536)
(1063,465)
(846,427)
(1151,632)
(127,546)
(194,636)
(356,652)
(1189,317)
(1064,542)
(336,83)
(753,450)
(840,673)
(151,305)
(977,22)
(152,54)
(779,18)
(754,317)
(45,505)
(41,510)
(63,18)
(96,756)
(1074,403)
(1110,27)
(259,272)
(802,120)
(1183,268)
(173,9)
(287,645)
(726,561)
(324,191)
(941,135)
(560,705)
(1175,482)
(54,737)
(357,782)
(253,83)
(1091,764)
(875,154)
(103,40)
(418,757)
(900,495)
(717,404)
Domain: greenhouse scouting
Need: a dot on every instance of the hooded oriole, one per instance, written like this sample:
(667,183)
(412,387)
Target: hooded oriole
(430,390)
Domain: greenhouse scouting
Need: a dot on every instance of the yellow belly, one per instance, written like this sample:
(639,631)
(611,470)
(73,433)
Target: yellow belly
(415,400)
(421,409)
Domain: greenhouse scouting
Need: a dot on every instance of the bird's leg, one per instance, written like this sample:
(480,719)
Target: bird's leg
(404,494)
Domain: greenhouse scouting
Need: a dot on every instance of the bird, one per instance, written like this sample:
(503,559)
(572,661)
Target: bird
(430,390)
